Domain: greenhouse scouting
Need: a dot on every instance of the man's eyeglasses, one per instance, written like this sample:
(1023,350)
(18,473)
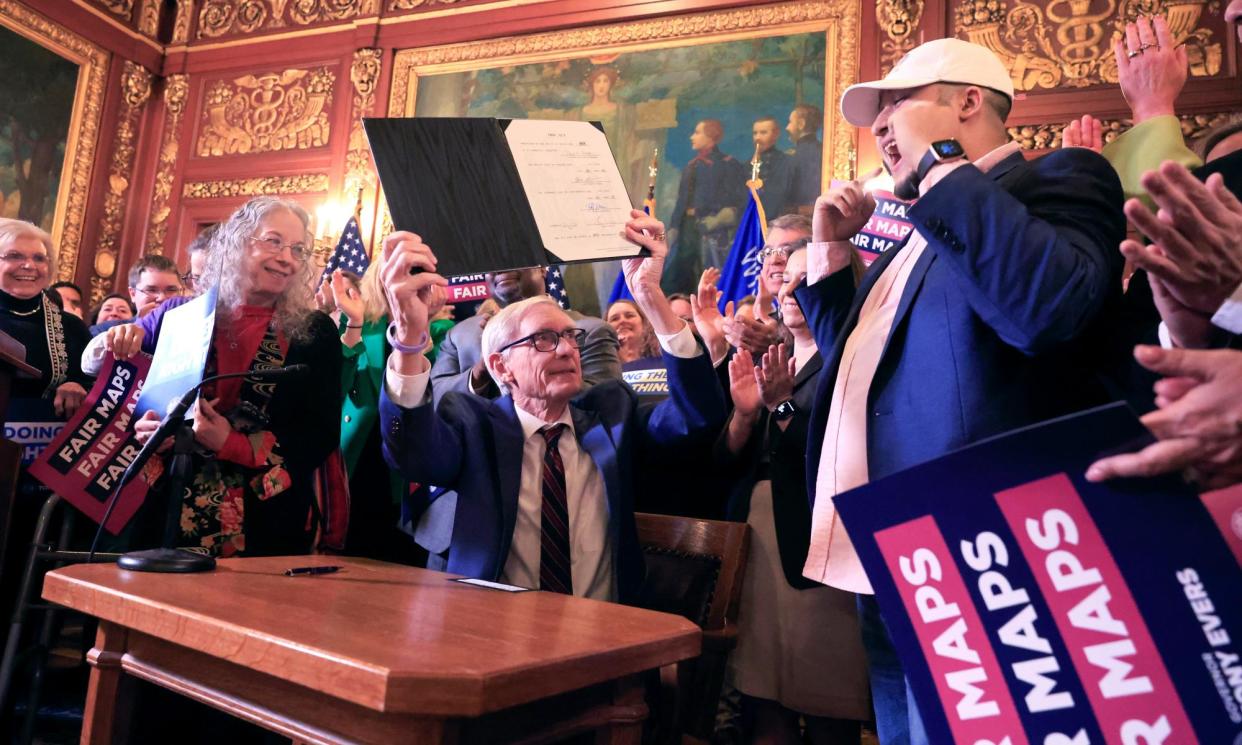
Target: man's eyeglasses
(547,341)
(189,279)
(783,250)
(166,292)
(274,245)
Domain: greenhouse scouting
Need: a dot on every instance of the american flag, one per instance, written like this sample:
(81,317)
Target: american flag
(554,283)
(349,254)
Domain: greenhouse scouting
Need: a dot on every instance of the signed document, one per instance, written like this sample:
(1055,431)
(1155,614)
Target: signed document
(494,194)
(575,191)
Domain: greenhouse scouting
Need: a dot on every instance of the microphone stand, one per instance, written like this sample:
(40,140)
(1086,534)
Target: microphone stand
(167,558)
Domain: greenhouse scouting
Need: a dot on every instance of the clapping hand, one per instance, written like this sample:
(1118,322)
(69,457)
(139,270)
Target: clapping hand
(346,297)
(775,377)
(744,384)
(1198,421)
(705,309)
(1195,257)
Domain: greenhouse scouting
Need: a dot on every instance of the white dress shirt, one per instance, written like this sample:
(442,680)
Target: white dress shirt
(591,543)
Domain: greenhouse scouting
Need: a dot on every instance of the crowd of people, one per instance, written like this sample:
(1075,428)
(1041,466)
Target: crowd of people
(508,445)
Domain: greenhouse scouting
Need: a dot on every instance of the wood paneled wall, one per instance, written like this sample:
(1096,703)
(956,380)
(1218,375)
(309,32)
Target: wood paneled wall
(209,102)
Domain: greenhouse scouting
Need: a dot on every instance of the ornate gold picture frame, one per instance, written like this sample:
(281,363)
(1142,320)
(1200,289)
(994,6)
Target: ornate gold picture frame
(837,20)
(83,138)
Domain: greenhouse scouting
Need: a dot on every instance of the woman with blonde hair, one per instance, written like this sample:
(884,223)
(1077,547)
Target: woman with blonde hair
(251,489)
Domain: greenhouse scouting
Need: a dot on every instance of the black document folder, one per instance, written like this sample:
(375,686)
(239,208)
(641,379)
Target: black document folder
(457,183)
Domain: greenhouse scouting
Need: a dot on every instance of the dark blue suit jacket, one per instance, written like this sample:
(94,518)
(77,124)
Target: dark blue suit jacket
(994,328)
(474,446)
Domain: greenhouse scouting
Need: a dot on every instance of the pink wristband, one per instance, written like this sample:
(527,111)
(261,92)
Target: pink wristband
(407,348)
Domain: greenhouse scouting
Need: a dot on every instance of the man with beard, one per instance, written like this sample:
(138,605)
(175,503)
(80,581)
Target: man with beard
(978,323)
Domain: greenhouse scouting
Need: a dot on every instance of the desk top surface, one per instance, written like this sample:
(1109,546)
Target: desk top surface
(388,637)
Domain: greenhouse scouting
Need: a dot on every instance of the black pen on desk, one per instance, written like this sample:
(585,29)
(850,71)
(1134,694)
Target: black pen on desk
(297,571)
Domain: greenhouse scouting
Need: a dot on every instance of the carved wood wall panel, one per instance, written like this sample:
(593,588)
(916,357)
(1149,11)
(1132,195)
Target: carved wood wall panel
(266,112)
(176,92)
(223,18)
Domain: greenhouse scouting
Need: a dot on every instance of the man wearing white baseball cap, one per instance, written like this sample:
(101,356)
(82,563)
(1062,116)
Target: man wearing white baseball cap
(975,325)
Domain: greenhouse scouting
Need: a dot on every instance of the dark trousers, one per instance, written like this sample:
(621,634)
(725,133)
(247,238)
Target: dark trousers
(897,720)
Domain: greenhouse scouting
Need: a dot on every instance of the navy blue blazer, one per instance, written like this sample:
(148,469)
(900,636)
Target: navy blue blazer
(473,445)
(994,328)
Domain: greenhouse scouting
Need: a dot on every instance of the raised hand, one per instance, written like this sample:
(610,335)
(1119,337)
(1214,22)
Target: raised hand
(775,377)
(1151,68)
(842,211)
(1086,132)
(643,275)
(412,297)
(346,297)
(743,384)
(705,310)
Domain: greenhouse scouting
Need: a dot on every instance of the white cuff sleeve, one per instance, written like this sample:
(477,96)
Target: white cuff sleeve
(681,344)
(93,355)
(406,391)
(1229,315)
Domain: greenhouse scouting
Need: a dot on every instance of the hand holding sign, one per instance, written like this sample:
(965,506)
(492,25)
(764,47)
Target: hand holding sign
(124,341)
(413,298)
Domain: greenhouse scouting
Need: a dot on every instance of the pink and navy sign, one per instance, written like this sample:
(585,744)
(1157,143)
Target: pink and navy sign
(887,227)
(1030,606)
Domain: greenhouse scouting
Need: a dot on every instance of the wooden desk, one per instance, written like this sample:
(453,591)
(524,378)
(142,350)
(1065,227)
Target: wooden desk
(376,653)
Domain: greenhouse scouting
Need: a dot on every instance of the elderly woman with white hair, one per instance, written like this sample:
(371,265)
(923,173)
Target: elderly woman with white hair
(54,339)
(259,443)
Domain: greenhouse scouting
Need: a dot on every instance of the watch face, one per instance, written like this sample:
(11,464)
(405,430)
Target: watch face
(947,149)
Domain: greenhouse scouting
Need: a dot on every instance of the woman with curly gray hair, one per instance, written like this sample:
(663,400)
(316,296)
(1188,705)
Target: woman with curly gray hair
(252,487)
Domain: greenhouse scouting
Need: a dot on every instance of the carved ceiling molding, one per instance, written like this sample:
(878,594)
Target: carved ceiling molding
(415,4)
(149,18)
(135,92)
(182,21)
(900,20)
(267,112)
(176,92)
(1064,44)
(838,18)
(1048,136)
(306,183)
(83,139)
(219,18)
(120,8)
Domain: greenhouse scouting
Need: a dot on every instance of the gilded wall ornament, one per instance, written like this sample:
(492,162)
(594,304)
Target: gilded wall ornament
(176,91)
(900,20)
(839,19)
(1048,136)
(307,183)
(364,73)
(149,18)
(412,4)
(135,92)
(182,21)
(286,110)
(1069,43)
(231,17)
(120,8)
(83,139)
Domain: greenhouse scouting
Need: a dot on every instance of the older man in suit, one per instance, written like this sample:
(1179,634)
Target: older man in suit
(459,363)
(545,474)
(973,326)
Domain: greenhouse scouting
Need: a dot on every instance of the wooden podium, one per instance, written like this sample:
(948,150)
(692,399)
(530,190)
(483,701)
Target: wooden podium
(375,653)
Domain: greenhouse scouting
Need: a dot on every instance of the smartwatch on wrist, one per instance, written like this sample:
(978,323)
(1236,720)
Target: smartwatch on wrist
(941,151)
(785,410)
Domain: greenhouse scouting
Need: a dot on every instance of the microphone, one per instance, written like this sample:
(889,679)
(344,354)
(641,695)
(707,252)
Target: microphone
(175,416)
